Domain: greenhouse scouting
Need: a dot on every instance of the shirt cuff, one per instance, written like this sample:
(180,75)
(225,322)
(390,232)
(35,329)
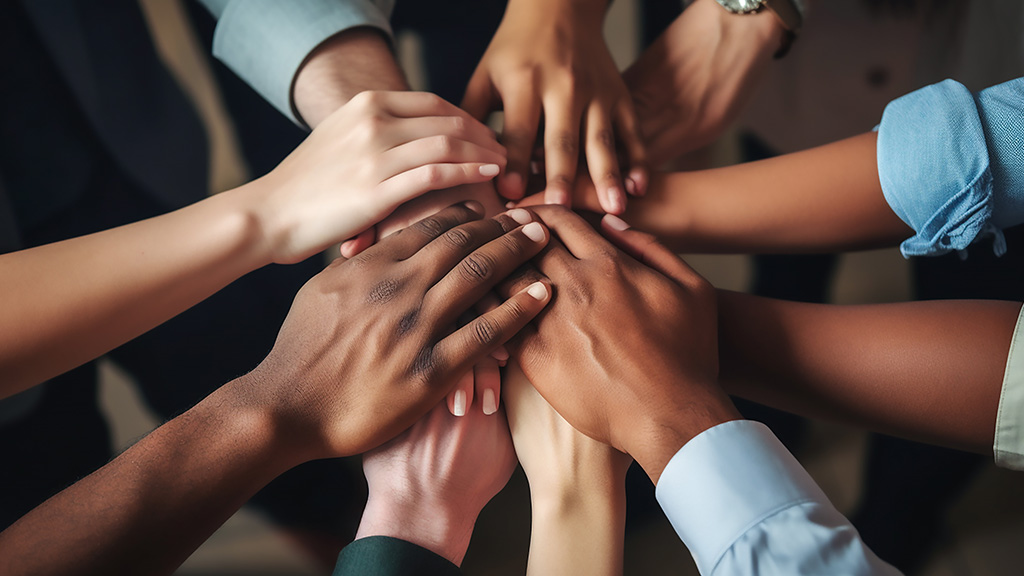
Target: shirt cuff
(265,42)
(933,165)
(1008,447)
(736,473)
(386,556)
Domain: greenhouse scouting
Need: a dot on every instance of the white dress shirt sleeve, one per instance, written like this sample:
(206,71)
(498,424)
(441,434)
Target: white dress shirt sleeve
(1008,447)
(742,504)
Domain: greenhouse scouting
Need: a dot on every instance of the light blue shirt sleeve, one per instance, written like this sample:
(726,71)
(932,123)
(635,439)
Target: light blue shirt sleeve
(743,505)
(951,164)
(266,41)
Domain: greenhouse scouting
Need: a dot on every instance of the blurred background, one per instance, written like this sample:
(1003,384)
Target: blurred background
(930,512)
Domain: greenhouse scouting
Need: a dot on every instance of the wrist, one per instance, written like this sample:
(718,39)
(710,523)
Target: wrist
(582,15)
(761,29)
(437,526)
(264,233)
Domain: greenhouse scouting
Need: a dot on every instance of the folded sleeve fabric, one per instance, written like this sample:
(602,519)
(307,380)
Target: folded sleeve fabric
(951,164)
(266,41)
(385,556)
(742,504)
(1008,447)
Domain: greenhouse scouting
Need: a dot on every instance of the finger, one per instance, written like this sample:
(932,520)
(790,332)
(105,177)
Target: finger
(461,397)
(628,130)
(522,277)
(561,149)
(604,166)
(487,303)
(411,104)
(646,248)
(478,272)
(576,234)
(437,149)
(404,243)
(414,183)
(480,99)
(522,115)
(456,127)
(449,250)
(471,343)
(362,241)
(487,380)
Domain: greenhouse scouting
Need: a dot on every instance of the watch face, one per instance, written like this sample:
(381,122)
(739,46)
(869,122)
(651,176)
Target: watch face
(741,6)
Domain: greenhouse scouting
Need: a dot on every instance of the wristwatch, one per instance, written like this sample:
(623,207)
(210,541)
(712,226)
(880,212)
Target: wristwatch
(789,13)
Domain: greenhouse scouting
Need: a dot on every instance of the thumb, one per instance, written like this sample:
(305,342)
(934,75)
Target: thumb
(479,99)
(646,248)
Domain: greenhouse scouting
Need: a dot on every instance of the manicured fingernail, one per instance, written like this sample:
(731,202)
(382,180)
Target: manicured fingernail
(521,216)
(489,170)
(500,354)
(459,408)
(510,205)
(534,231)
(474,206)
(639,179)
(538,290)
(615,223)
(490,404)
(630,186)
(616,201)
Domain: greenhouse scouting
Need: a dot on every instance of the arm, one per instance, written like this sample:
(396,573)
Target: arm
(325,390)
(72,301)
(823,199)
(549,59)
(577,487)
(739,501)
(930,371)
(308,57)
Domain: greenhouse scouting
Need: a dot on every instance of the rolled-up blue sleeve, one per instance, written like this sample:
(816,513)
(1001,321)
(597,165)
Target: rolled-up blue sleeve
(951,164)
(743,505)
(266,41)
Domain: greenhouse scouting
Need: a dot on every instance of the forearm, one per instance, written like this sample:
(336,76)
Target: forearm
(148,509)
(579,531)
(930,371)
(71,301)
(349,63)
(819,200)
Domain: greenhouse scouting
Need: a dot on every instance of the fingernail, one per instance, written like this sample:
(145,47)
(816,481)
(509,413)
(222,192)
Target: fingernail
(615,223)
(510,205)
(474,206)
(490,404)
(616,201)
(630,186)
(489,170)
(459,408)
(538,290)
(639,181)
(500,354)
(534,167)
(534,231)
(521,216)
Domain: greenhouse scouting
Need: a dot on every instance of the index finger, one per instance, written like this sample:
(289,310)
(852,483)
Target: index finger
(576,234)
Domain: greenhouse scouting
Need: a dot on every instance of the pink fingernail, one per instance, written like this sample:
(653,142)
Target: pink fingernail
(490,404)
(500,354)
(616,201)
(630,186)
(538,290)
(521,216)
(489,170)
(615,223)
(534,231)
(459,404)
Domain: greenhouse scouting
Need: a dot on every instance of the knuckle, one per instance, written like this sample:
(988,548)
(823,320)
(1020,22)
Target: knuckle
(384,291)
(485,331)
(432,175)
(459,125)
(431,227)
(407,321)
(445,144)
(605,138)
(476,267)
(610,177)
(457,237)
(565,142)
(424,366)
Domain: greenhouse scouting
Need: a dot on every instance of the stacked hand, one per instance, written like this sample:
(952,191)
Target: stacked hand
(549,60)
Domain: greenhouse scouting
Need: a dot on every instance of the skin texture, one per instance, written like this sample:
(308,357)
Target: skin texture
(646,404)
(79,298)
(428,485)
(549,60)
(577,487)
(695,79)
(825,199)
(325,390)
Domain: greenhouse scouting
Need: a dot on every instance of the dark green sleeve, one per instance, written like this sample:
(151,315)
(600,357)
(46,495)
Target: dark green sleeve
(386,556)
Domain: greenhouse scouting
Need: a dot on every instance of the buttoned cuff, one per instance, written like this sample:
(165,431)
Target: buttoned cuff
(265,42)
(726,480)
(386,556)
(1008,447)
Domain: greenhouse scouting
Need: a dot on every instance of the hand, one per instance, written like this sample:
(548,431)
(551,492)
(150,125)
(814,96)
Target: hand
(428,485)
(368,346)
(549,59)
(375,153)
(627,351)
(693,81)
